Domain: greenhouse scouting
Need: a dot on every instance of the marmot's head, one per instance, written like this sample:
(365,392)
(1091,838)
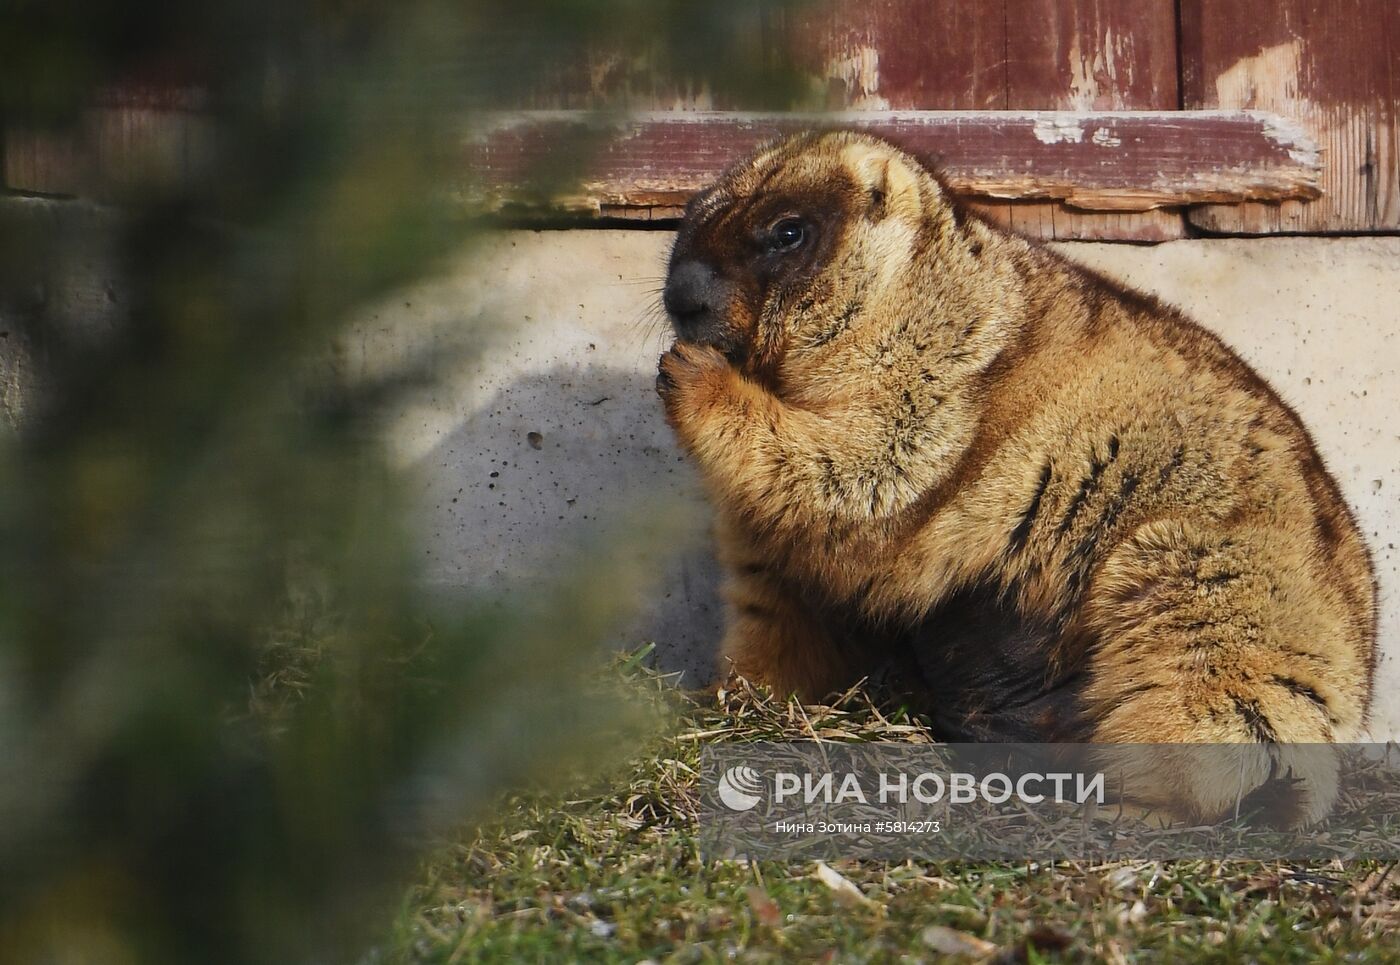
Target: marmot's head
(793,246)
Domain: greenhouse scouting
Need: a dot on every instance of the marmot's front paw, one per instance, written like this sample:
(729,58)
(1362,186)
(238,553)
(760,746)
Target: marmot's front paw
(688,375)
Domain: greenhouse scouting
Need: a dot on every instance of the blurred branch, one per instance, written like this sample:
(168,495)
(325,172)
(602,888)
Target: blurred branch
(228,716)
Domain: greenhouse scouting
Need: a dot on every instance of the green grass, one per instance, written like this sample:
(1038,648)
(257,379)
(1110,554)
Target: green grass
(612,873)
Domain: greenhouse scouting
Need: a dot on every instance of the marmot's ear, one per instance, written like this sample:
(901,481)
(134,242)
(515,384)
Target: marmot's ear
(889,181)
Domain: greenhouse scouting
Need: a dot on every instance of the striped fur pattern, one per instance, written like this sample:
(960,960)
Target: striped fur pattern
(1060,508)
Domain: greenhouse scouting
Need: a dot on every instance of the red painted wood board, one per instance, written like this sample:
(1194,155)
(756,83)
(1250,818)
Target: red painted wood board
(936,55)
(1091,55)
(1096,161)
(1334,66)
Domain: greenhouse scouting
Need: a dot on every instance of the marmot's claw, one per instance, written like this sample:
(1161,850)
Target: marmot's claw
(665,372)
(664,382)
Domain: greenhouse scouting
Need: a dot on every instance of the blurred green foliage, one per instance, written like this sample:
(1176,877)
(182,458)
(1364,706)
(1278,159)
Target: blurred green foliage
(228,718)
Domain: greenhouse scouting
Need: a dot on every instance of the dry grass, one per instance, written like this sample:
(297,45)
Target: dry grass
(613,874)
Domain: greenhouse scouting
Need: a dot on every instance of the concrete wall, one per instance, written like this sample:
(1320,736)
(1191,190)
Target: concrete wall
(551,432)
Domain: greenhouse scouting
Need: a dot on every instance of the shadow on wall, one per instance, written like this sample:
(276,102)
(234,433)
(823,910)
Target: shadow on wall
(571,456)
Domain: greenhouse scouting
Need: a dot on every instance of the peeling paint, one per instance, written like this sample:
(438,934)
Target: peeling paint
(1100,78)
(859,70)
(1270,80)
(1293,137)
(1058,130)
(1104,137)
(662,158)
(1082,91)
(1258,81)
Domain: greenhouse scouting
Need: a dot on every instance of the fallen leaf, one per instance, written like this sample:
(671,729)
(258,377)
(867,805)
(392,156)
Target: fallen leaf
(845,893)
(950,941)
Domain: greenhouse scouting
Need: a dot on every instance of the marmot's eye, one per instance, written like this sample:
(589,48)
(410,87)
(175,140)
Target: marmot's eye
(786,235)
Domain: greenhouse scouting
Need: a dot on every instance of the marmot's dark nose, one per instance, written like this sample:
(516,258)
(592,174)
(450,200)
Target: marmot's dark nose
(692,291)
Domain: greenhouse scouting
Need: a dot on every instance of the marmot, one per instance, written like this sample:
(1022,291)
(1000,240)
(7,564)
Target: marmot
(1072,513)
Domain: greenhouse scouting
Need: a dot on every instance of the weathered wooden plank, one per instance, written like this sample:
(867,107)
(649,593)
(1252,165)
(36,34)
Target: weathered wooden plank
(1012,54)
(1133,161)
(849,54)
(903,54)
(1101,55)
(1334,65)
(932,55)
(126,141)
(1056,221)
(841,55)
(1091,55)
(42,161)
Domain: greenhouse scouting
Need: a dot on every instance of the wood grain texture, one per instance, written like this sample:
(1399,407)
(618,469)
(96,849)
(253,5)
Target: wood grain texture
(903,54)
(1092,55)
(123,144)
(43,162)
(1056,221)
(1334,65)
(841,55)
(1005,55)
(937,55)
(1119,162)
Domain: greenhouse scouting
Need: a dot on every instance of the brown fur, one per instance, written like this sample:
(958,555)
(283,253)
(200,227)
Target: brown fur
(1067,510)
